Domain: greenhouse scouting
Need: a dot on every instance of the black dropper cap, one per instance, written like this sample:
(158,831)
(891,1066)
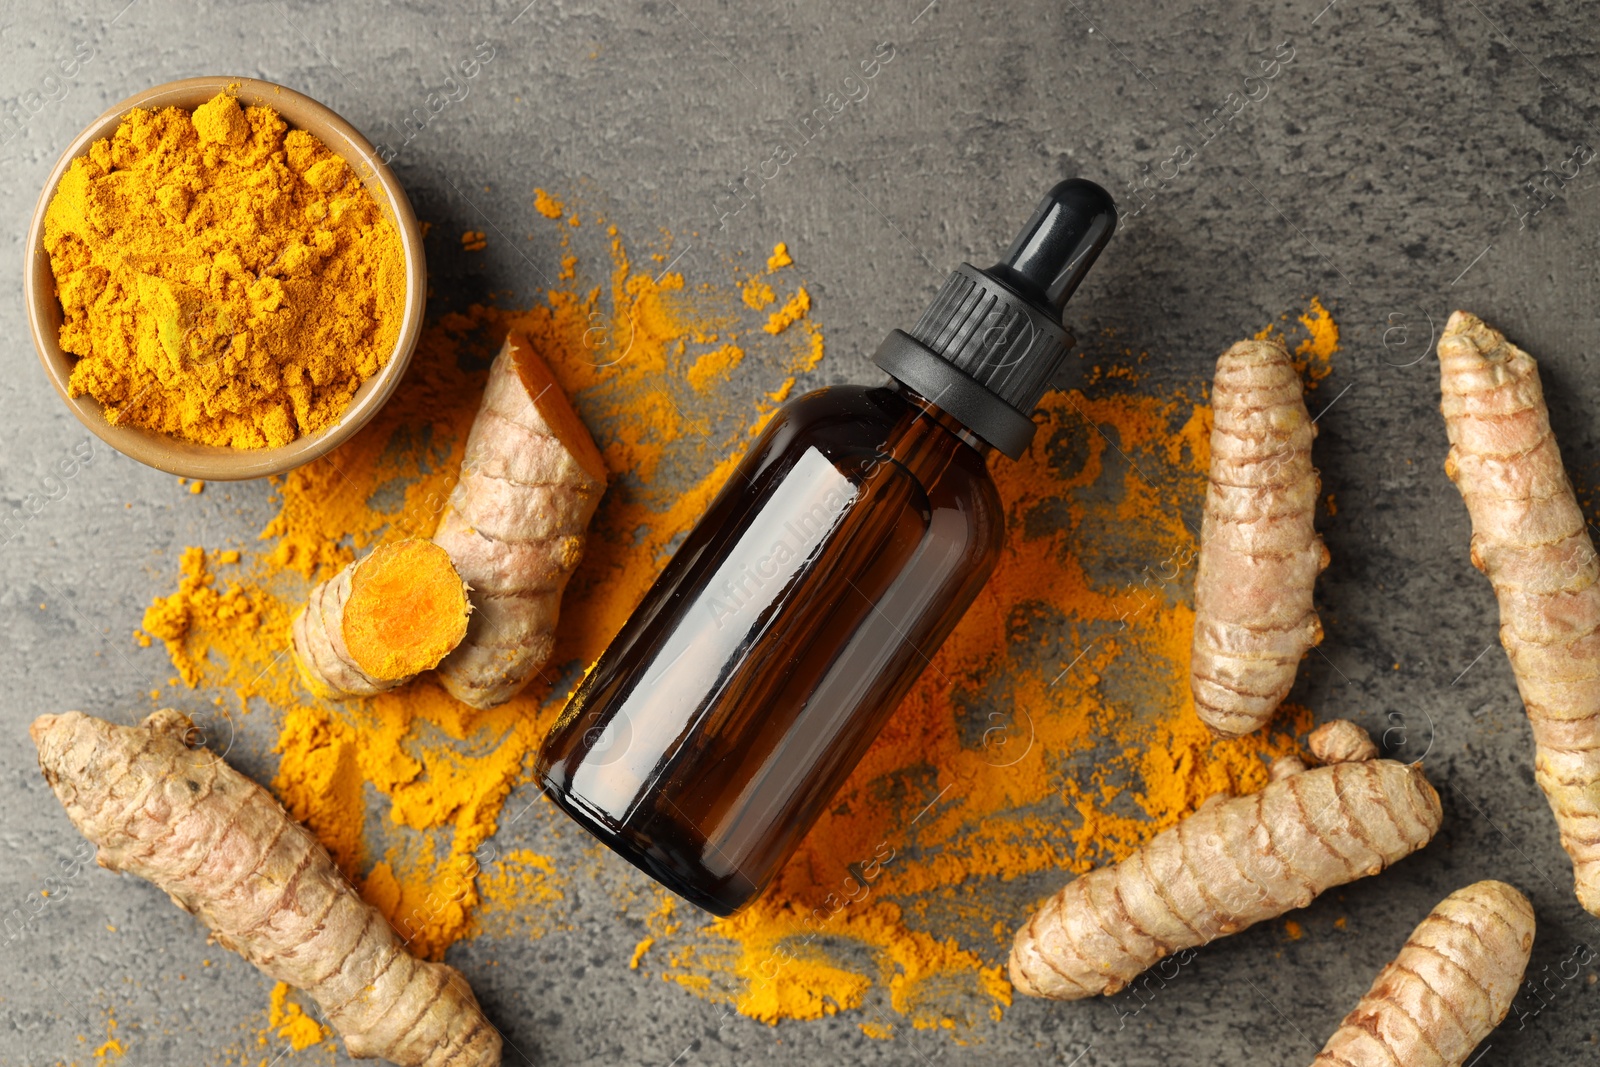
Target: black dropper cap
(991,343)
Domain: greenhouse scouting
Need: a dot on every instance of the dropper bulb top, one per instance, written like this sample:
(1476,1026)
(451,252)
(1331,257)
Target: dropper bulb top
(1059,243)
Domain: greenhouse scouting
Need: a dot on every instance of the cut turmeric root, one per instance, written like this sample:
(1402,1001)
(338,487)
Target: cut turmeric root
(1234,862)
(1452,983)
(223,849)
(1529,537)
(1259,554)
(511,535)
(531,479)
(381,621)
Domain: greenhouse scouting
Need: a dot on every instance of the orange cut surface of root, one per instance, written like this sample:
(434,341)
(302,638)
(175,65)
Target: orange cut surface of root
(407,610)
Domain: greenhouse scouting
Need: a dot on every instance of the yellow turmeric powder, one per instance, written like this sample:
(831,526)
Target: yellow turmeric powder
(714,367)
(1314,351)
(112,1047)
(1054,731)
(793,310)
(547,205)
(288,1022)
(757,293)
(222,278)
(173,619)
(431,874)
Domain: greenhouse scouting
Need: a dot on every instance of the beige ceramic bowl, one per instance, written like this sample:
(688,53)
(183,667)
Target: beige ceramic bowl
(173,454)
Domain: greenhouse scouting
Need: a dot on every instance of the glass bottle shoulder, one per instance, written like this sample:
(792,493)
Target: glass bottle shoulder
(861,428)
(836,420)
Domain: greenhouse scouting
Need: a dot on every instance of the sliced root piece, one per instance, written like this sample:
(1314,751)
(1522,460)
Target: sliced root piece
(381,621)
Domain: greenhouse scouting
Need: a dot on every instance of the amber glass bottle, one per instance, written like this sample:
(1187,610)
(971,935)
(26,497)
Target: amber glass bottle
(764,660)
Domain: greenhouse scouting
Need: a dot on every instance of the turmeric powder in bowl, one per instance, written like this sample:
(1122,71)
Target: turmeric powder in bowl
(222,278)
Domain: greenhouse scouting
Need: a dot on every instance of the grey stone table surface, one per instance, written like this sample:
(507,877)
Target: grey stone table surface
(1412,157)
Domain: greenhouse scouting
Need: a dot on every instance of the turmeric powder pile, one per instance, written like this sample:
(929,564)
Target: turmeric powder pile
(222,278)
(1053,731)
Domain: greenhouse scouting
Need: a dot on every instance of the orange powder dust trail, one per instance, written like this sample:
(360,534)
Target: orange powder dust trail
(547,205)
(288,1022)
(1318,340)
(1052,733)
(624,350)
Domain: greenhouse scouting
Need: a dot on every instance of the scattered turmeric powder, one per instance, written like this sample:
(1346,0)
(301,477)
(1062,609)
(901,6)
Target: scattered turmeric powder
(112,1047)
(793,310)
(1055,731)
(715,367)
(171,618)
(1314,351)
(289,1023)
(547,205)
(757,293)
(522,894)
(223,278)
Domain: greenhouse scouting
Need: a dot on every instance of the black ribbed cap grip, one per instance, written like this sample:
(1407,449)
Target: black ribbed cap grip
(993,336)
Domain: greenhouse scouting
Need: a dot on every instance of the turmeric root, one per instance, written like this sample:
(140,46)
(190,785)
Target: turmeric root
(530,481)
(1341,741)
(1529,537)
(1259,555)
(223,849)
(1234,862)
(1452,983)
(381,621)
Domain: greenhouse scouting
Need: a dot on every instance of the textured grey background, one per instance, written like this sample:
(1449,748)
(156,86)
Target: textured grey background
(1385,170)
